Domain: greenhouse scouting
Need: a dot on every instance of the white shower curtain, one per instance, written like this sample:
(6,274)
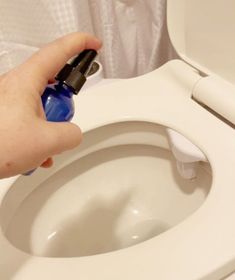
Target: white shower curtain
(134,34)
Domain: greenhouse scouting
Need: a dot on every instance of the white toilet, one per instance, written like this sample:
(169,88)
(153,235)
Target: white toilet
(137,200)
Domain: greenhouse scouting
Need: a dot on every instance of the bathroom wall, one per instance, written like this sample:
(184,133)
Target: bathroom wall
(134,33)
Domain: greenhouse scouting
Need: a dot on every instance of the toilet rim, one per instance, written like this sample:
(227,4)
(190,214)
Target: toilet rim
(214,216)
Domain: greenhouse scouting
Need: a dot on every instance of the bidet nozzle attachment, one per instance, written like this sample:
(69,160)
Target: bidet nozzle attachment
(74,74)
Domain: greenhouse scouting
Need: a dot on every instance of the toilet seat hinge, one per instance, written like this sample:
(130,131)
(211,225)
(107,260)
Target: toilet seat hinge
(218,96)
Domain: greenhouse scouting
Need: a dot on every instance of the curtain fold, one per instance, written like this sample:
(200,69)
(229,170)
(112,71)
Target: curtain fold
(134,33)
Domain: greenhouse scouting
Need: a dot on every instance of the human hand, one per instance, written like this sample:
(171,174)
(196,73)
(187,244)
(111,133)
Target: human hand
(27,140)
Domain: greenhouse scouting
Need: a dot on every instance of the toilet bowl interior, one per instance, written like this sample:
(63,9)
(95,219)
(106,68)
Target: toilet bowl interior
(119,188)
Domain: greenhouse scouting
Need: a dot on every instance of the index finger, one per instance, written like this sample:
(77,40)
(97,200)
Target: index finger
(45,63)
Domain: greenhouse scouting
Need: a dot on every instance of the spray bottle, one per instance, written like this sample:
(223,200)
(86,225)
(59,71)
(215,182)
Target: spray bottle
(57,99)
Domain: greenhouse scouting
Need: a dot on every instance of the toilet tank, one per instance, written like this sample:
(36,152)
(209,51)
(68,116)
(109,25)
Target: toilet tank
(203,34)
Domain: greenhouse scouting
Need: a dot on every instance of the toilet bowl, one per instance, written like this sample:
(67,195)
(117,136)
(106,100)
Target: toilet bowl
(123,204)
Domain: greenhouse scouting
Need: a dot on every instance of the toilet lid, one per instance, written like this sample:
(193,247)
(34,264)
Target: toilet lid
(203,34)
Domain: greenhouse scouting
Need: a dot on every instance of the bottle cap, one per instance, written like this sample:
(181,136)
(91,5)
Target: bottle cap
(74,74)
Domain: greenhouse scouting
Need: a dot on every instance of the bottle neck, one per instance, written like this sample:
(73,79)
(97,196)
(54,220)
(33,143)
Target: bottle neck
(64,89)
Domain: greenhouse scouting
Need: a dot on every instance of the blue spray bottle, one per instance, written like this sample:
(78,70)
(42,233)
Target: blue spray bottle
(57,99)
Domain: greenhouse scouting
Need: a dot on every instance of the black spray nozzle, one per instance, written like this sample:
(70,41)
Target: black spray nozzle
(74,74)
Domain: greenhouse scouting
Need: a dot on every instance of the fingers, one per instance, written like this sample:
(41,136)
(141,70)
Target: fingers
(45,63)
(62,136)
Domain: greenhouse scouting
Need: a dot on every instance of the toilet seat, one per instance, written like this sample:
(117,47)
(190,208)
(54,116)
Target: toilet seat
(163,97)
(209,227)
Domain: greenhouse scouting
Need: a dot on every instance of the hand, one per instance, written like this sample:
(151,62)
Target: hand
(27,140)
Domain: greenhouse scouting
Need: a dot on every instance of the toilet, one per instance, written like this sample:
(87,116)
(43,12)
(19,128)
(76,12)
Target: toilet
(149,194)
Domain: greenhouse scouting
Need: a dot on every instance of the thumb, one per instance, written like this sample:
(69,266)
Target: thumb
(62,136)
